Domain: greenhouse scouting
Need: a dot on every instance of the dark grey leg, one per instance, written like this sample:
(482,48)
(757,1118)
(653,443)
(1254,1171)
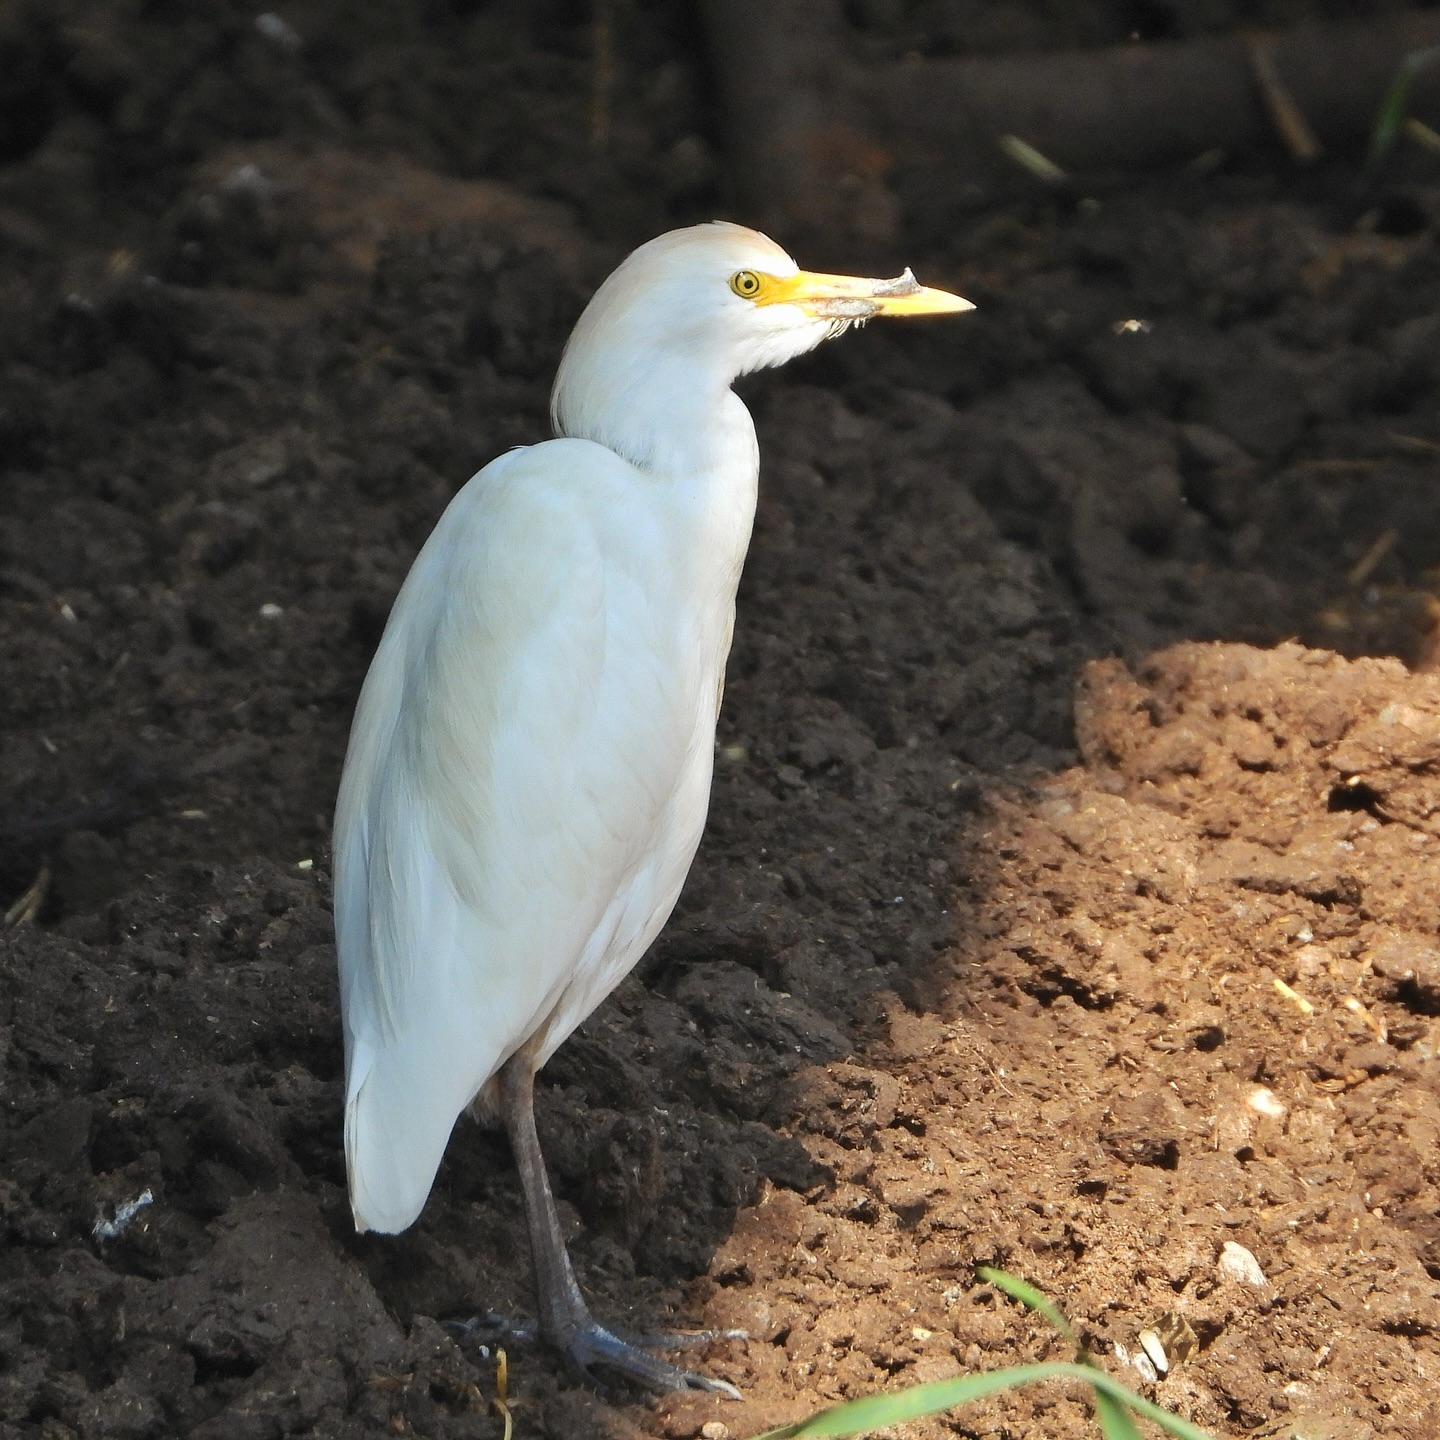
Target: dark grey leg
(565,1318)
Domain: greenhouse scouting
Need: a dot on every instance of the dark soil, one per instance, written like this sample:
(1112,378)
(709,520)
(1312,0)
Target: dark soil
(968,971)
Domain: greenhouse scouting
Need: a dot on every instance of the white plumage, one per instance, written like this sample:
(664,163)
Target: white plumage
(530,760)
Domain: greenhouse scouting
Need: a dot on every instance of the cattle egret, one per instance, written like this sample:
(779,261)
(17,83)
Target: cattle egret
(529,765)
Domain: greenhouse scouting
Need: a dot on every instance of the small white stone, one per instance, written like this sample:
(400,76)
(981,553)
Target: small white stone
(271,611)
(714,1430)
(278,32)
(1145,1368)
(304,864)
(1264,1101)
(1150,1342)
(1238,1264)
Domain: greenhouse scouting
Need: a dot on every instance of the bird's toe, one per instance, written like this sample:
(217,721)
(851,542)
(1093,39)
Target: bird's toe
(677,1339)
(491,1329)
(592,1344)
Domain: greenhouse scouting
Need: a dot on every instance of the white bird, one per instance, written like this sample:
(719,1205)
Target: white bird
(529,764)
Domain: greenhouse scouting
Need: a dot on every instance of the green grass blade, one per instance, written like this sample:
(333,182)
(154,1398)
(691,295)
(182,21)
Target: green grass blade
(1115,1420)
(874,1412)
(854,1417)
(1028,1295)
(1396,102)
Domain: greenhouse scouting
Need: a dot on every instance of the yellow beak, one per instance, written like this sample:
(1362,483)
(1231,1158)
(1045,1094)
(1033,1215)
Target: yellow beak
(843,297)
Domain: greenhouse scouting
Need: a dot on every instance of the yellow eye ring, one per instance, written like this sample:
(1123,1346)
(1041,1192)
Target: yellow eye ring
(745,283)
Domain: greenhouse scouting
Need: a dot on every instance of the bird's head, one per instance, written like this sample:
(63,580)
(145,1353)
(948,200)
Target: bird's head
(691,310)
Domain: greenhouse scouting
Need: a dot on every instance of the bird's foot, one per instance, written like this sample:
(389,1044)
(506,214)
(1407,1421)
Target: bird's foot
(565,1318)
(587,1343)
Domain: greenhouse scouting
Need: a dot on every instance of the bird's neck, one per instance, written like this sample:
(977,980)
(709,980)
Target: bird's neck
(672,417)
(721,486)
(678,422)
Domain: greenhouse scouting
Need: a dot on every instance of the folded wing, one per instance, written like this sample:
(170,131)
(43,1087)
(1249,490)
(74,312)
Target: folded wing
(522,741)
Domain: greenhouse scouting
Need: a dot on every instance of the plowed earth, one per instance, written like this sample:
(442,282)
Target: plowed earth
(998,950)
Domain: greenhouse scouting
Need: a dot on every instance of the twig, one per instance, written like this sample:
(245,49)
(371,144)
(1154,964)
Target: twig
(1375,1025)
(1422,134)
(28,906)
(1029,158)
(1294,997)
(1338,466)
(1289,120)
(1413,444)
(1380,547)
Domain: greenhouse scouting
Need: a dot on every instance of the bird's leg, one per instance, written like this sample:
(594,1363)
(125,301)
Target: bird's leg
(565,1318)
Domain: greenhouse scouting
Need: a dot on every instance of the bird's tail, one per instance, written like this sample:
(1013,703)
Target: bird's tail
(397,1124)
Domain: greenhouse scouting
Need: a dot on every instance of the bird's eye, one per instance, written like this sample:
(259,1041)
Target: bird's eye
(745,283)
